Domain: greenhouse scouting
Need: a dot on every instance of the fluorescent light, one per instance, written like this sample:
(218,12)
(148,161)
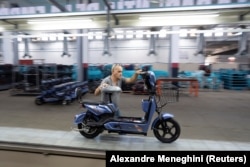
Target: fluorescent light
(193,32)
(59,21)
(148,33)
(19,39)
(52,37)
(234,33)
(208,34)
(36,39)
(139,34)
(98,35)
(45,37)
(90,35)
(183,33)
(71,38)
(60,36)
(119,34)
(177,17)
(219,33)
(231,59)
(129,34)
(162,33)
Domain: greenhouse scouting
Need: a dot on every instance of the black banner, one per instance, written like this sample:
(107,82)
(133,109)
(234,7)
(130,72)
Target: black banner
(176,158)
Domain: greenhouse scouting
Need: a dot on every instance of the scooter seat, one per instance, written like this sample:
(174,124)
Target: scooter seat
(91,103)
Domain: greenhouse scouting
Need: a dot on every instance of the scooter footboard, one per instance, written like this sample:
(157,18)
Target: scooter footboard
(163,116)
(79,117)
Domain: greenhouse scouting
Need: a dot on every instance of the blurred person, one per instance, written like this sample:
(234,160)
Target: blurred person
(115,79)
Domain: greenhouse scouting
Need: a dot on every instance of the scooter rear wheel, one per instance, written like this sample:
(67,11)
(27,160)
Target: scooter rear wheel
(167,130)
(39,101)
(87,131)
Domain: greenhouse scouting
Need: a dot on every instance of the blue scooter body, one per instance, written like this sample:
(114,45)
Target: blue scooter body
(101,116)
(96,110)
(163,116)
(121,124)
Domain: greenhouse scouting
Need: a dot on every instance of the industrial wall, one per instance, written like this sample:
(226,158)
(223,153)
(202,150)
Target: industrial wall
(124,51)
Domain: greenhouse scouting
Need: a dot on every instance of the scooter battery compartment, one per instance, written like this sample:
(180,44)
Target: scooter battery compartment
(145,105)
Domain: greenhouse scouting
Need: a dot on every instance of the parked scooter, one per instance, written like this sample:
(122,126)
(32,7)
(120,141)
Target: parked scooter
(54,95)
(65,93)
(100,116)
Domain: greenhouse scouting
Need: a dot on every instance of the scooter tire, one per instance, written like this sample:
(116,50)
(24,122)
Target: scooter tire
(39,101)
(66,102)
(89,132)
(167,131)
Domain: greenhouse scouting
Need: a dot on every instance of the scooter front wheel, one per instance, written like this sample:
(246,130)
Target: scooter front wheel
(87,131)
(167,130)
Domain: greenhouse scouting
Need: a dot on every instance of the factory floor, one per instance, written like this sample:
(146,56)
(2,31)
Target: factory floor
(213,120)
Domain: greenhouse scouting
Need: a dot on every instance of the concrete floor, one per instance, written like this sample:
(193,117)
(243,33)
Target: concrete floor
(222,115)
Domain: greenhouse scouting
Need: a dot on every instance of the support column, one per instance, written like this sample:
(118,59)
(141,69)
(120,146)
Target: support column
(82,54)
(85,55)
(243,42)
(174,53)
(79,56)
(10,49)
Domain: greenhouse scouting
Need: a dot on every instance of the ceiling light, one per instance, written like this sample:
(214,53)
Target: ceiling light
(139,34)
(45,37)
(219,33)
(98,35)
(162,33)
(65,21)
(231,59)
(52,37)
(193,32)
(60,36)
(129,34)
(183,33)
(177,17)
(119,34)
(148,33)
(90,35)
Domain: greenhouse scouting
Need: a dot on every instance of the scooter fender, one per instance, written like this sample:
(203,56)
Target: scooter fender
(163,116)
(67,98)
(79,117)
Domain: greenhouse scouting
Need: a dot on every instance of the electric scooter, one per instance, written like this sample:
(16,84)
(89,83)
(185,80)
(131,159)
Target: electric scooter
(99,116)
(65,93)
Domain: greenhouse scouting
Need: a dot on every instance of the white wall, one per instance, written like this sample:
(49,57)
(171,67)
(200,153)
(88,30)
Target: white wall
(136,51)
(49,51)
(123,51)
(7,49)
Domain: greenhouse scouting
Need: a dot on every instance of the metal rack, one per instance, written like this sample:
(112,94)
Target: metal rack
(30,79)
(234,79)
(26,79)
(5,76)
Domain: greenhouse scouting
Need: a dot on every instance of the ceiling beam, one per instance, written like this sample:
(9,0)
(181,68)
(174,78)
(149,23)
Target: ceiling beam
(109,8)
(59,6)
